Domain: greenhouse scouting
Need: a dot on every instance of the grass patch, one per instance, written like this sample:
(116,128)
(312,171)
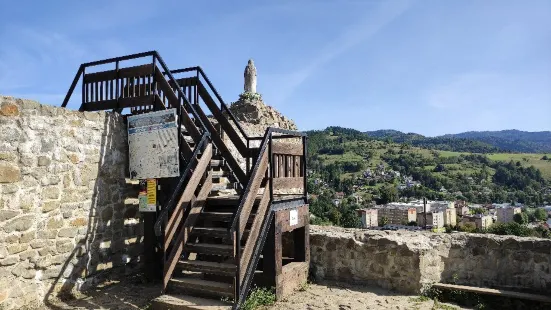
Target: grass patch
(259,297)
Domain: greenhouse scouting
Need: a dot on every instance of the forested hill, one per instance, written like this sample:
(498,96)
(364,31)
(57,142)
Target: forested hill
(511,140)
(474,141)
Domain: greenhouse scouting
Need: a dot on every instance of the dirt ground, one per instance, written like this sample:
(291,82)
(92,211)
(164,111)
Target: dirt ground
(342,296)
(134,293)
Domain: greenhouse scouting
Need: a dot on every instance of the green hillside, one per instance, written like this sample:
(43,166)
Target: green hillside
(341,157)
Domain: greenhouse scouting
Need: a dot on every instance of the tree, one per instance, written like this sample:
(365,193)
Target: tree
(468,227)
(412,223)
(544,157)
(383,221)
(521,218)
(540,214)
(389,193)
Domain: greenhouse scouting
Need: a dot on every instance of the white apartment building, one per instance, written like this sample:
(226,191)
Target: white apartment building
(368,217)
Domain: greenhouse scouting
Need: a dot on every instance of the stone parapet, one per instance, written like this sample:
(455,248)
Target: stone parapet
(407,261)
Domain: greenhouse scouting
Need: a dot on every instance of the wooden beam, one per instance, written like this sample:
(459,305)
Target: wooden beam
(287,183)
(287,148)
(491,291)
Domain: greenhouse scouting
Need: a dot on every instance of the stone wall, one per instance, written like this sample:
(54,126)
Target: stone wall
(406,261)
(63,217)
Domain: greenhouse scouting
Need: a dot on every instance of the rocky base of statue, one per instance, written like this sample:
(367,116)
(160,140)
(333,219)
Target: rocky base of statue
(256,116)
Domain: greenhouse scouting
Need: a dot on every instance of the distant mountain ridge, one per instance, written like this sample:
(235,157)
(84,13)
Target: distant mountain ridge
(485,141)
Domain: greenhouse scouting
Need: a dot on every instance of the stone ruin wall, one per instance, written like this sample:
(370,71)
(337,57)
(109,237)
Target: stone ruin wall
(407,261)
(63,217)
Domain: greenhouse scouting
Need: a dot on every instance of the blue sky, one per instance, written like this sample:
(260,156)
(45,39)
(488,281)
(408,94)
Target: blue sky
(425,66)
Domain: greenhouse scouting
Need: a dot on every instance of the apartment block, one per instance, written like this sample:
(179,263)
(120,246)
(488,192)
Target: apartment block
(368,217)
(434,219)
(506,214)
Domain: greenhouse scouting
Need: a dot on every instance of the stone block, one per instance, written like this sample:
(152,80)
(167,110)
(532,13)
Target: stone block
(48,206)
(54,223)
(8,261)
(21,223)
(50,192)
(9,188)
(67,232)
(8,214)
(16,248)
(9,173)
(44,161)
(63,247)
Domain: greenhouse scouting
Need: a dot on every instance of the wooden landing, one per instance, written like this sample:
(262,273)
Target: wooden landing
(186,302)
(496,292)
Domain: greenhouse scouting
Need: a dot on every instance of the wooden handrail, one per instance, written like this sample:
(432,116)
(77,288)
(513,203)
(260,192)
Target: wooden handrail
(187,199)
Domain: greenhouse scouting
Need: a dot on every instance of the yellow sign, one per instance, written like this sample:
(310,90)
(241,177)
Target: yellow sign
(152,192)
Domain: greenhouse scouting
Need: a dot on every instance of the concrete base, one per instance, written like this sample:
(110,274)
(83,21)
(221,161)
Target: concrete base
(186,302)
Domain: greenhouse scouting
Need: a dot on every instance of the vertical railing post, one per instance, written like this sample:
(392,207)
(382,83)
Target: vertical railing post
(83,86)
(271,166)
(238,261)
(117,89)
(304,153)
(154,90)
(248,159)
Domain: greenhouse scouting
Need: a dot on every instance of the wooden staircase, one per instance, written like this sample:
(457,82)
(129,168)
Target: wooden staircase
(211,241)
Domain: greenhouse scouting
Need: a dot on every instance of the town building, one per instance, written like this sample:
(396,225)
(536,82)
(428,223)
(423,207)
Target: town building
(397,213)
(368,217)
(434,219)
(448,210)
(479,220)
(505,214)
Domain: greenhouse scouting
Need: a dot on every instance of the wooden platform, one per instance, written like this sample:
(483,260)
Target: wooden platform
(491,291)
(186,302)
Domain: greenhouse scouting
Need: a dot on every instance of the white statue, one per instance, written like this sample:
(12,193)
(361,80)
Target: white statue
(250,77)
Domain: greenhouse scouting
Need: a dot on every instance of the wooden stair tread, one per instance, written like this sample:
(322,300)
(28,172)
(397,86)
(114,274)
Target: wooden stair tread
(211,231)
(209,248)
(212,287)
(187,302)
(208,267)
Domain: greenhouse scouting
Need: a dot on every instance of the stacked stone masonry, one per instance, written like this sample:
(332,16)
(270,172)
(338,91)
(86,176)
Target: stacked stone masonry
(409,261)
(64,214)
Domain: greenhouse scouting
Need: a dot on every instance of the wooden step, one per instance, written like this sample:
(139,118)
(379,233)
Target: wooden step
(216,163)
(211,232)
(220,174)
(221,186)
(217,216)
(232,200)
(209,248)
(222,216)
(222,269)
(187,302)
(211,288)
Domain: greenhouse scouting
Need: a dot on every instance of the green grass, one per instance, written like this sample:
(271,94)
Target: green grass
(259,297)
(527,160)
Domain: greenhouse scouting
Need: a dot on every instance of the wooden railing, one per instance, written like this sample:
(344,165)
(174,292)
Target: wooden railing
(184,207)
(197,84)
(271,170)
